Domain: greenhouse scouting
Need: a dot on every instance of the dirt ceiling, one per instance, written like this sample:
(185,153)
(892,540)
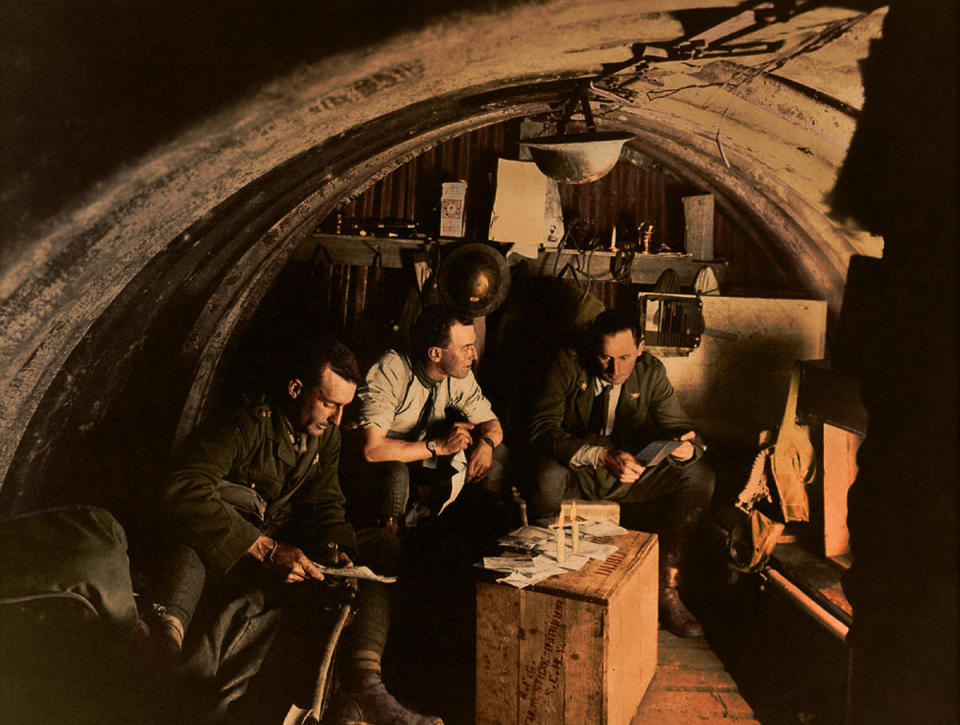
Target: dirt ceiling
(179,154)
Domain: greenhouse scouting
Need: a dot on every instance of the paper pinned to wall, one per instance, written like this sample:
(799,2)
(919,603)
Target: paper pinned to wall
(453,197)
(526,208)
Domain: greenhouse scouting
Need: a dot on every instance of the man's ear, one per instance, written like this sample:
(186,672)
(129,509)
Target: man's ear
(294,388)
(640,347)
(434,354)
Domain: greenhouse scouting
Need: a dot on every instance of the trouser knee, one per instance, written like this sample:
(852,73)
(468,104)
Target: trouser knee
(693,493)
(380,550)
(381,490)
(553,482)
(698,480)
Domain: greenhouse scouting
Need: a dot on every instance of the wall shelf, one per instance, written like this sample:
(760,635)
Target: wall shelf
(392,251)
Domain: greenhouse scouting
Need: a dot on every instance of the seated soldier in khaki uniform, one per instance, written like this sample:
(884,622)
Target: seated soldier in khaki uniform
(599,407)
(256,499)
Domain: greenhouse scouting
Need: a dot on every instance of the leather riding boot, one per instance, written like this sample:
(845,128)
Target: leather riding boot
(674,616)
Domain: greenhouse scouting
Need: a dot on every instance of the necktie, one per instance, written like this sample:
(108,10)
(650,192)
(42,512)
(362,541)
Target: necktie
(598,413)
(423,423)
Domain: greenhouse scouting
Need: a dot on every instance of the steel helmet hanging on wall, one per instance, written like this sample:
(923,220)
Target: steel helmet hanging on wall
(474,278)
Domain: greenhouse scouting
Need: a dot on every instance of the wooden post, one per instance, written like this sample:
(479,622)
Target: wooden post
(698,226)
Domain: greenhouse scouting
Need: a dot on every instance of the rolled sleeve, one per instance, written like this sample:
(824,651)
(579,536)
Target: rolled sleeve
(380,395)
(469,399)
(586,457)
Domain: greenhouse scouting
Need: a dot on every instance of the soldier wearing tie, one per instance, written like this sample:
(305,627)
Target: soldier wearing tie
(600,406)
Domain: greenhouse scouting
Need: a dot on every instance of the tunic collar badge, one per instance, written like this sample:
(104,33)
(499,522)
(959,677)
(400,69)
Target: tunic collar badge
(634,395)
(583,386)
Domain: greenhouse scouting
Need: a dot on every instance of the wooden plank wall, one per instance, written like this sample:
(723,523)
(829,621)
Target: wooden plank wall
(360,304)
(624,198)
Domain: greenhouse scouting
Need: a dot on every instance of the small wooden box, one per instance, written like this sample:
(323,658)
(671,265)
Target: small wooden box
(580,647)
(590,511)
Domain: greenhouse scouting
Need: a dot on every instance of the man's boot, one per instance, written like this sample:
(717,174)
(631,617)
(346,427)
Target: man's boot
(364,699)
(674,616)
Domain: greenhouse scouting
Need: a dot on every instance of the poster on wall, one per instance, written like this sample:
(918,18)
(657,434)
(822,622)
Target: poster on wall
(526,208)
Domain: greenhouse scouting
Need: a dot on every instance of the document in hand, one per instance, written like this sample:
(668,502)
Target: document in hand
(657,451)
(355,572)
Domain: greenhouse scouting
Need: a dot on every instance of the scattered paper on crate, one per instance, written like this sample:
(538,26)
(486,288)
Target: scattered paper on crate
(540,546)
(601,528)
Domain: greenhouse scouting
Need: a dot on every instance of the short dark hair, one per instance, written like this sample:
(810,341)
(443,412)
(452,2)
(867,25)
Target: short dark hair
(610,322)
(311,357)
(432,328)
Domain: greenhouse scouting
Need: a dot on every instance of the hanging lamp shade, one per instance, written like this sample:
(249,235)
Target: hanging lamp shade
(577,158)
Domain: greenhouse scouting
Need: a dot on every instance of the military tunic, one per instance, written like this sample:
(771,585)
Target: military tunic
(252,446)
(647,409)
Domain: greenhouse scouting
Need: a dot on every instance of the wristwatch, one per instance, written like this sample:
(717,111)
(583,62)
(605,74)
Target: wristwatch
(431,446)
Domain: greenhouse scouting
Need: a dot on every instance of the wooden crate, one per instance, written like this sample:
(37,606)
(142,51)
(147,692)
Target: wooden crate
(580,647)
(598,510)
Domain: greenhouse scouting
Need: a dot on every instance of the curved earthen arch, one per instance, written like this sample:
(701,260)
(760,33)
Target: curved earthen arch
(169,252)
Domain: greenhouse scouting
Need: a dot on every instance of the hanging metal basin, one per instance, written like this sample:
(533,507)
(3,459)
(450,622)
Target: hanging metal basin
(577,158)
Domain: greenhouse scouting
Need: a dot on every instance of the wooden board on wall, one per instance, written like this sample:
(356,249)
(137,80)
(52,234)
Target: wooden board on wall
(733,389)
(394,252)
(839,470)
(698,226)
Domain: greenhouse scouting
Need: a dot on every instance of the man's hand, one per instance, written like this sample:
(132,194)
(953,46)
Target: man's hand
(621,464)
(479,461)
(685,451)
(285,559)
(457,439)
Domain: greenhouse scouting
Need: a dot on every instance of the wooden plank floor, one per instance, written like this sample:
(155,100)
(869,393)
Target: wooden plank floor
(691,686)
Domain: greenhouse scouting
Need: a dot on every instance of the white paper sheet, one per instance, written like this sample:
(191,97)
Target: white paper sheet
(519,205)
(540,563)
(459,463)
(602,528)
